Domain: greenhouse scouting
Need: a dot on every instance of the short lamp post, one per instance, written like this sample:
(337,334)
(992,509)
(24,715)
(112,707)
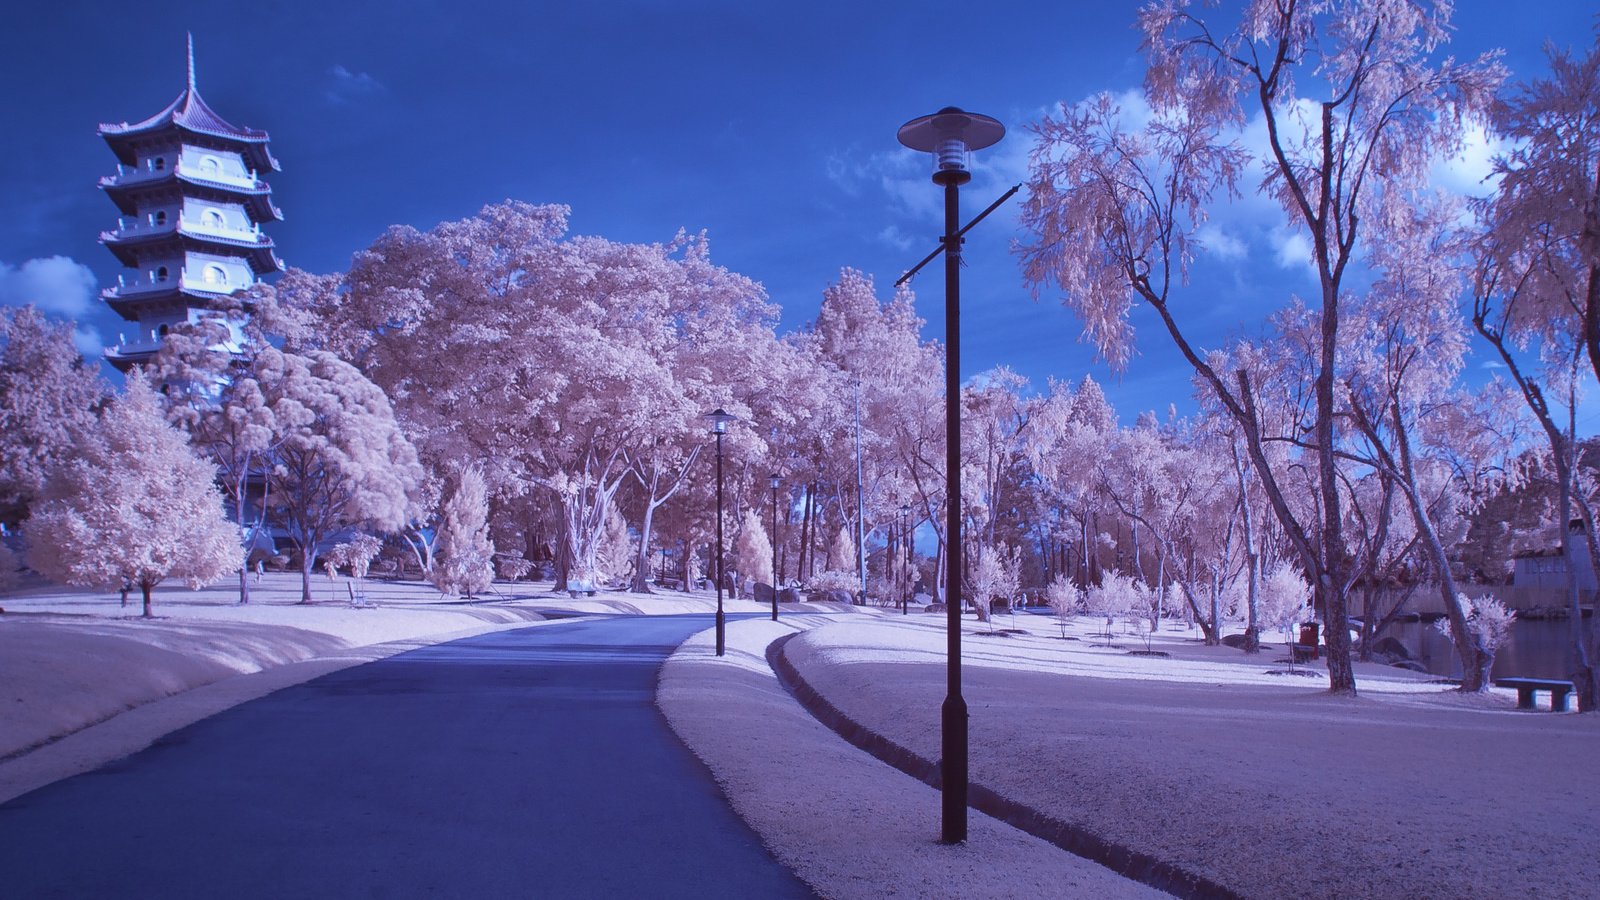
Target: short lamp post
(773,481)
(951,135)
(719,426)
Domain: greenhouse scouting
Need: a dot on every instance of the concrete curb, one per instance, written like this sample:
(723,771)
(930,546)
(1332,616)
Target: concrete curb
(1074,839)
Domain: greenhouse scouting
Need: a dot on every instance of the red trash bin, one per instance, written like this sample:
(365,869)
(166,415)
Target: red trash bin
(1308,637)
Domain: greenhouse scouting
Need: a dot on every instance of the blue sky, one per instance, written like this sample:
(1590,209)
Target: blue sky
(771,126)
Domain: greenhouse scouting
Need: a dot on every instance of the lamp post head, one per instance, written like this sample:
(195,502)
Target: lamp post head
(719,420)
(774,481)
(951,134)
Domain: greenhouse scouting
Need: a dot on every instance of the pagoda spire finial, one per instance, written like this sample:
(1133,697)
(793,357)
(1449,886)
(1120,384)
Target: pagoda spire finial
(191,61)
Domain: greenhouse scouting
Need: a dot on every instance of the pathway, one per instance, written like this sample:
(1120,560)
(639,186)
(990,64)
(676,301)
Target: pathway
(519,763)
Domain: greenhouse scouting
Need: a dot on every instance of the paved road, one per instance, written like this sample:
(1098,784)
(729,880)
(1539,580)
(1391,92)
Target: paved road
(528,763)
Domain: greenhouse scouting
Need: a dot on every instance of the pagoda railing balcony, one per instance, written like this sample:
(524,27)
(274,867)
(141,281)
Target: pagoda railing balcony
(130,228)
(133,226)
(190,283)
(132,286)
(139,345)
(127,175)
(134,175)
(203,228)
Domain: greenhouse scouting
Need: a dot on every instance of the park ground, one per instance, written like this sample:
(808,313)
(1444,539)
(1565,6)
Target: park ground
(1221,766)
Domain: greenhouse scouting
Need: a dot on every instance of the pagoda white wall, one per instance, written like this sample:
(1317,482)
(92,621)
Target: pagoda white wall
(149,156)
(234,217)
(150,266)
(198,160)
(239,274)
(145,334)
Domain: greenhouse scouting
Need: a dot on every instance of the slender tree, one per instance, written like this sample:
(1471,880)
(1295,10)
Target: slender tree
(1354,107)
(1538,280)
(466,555)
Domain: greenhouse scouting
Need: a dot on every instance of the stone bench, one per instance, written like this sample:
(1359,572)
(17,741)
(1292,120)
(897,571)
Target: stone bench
(1528,688)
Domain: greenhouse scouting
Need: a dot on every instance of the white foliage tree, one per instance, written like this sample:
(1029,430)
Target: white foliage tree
(1283,599)
(752,553)
(1065,599)
(465,563)
(134,504)
(341,460)
(614,555)
(1116,595)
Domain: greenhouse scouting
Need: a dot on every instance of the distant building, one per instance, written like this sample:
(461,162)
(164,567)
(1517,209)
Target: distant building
(190,190)
(1548,568)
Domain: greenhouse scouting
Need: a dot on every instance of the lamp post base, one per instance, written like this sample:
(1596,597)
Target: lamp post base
(722,631)
(953,771)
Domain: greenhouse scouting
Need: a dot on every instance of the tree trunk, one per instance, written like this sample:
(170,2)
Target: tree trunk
(641,568)
(1583,674)
(144,589)
(306,559)
(801,551)
(563,560)
(1214,634)
(1252,628)
(244,538)
(1208,631)
(780,547)
(1476,657)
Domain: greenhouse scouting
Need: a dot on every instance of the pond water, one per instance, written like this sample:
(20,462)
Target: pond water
(1538,649)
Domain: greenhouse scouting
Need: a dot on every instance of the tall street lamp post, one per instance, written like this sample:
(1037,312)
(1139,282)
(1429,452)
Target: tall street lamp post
(774,482)
(951,135)
(719,426)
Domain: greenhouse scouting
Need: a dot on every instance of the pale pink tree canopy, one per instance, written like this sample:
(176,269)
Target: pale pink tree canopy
(135,504)
(341,460)
(48,395)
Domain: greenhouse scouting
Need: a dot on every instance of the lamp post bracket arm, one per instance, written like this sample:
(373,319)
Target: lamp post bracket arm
(964,229)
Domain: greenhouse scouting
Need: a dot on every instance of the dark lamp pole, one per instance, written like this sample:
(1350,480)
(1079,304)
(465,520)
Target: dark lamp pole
(774,482)
(719,426)
(951,135)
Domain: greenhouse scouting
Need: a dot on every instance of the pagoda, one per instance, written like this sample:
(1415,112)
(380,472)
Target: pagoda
(189,186)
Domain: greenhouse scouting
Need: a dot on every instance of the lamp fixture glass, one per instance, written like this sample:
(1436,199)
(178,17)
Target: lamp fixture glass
(951,134)
(719,420)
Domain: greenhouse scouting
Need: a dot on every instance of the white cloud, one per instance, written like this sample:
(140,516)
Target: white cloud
(1221,244)
(1470,172)
(55,284)
(1292,250)
(87,340)
(848,174)
(894,237)
(348,86)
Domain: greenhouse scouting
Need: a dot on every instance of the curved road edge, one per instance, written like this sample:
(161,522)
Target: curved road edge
(844,821)
(136,728)
(1126,861)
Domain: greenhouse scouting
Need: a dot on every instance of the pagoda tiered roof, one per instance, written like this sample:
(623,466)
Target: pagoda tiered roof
(125,188)
(126,245)
(173,295)
(189,113)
